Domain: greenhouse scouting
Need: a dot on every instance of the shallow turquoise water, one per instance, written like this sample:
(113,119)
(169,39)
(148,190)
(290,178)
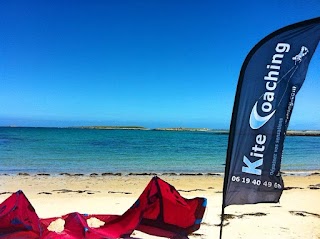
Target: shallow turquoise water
(55,150)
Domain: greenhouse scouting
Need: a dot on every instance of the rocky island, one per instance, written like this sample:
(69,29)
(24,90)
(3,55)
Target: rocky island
(113,127)
(216,131)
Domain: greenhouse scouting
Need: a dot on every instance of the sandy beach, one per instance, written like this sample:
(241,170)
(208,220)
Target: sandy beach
(296,216)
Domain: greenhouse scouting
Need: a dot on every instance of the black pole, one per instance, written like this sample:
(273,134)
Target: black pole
(221,224)
(228,159)
(225,184)
(229,150)
(230,142)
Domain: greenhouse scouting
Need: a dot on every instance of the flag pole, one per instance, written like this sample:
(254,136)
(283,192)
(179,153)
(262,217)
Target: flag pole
(221,224)
(225,181)
(228,154)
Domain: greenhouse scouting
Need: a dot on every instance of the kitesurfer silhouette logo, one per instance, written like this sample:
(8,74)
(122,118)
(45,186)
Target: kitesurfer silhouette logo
(298,58)
(256,121)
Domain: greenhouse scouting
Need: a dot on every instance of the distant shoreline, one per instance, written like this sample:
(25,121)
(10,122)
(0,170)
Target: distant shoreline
(180,129)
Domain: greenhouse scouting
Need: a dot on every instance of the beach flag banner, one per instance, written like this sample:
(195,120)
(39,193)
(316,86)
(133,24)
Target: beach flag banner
(270,78)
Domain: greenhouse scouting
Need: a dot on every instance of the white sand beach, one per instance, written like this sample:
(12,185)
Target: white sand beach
(296,216)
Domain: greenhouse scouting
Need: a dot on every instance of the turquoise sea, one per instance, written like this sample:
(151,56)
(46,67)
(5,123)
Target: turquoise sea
(72,150)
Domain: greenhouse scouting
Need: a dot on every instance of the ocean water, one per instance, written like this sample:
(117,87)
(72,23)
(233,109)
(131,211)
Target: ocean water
(71,150)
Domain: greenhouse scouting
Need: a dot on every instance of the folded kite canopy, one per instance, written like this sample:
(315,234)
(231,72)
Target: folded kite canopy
(160,210)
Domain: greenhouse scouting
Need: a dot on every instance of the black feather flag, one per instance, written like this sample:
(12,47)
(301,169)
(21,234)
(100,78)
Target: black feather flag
(271,76)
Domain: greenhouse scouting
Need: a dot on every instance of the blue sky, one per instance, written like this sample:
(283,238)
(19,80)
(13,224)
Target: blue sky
(150,63)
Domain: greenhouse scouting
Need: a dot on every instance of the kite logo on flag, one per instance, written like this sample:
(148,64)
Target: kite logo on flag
(298,58)
(257,121)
